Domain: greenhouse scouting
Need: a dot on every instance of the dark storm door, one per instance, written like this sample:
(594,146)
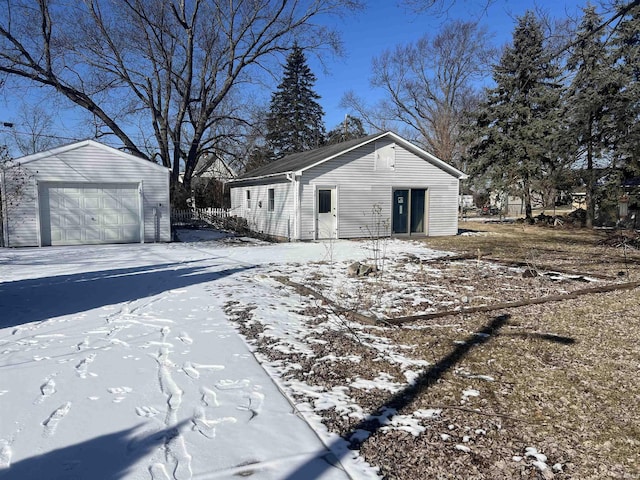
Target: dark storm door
(417,210)
(400,211)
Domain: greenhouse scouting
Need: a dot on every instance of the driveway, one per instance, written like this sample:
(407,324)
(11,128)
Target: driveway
(118,362)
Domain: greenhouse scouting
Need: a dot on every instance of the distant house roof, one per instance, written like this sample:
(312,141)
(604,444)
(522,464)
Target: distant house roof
(214,167)
(299,162)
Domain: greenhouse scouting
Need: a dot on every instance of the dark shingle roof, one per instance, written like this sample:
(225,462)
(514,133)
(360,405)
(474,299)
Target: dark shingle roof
(304,160)
(299,161)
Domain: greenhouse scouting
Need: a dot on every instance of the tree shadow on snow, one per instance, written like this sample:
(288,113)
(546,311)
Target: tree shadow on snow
(32,300)
(394,404)
(110,456)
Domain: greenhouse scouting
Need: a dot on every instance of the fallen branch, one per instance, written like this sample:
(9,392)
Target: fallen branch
(520,303)
(336,309)
(549,268)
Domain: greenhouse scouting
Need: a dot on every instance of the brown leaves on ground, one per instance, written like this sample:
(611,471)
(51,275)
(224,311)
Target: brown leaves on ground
(548,391)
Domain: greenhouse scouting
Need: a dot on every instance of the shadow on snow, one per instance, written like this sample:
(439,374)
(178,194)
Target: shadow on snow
(32,300)
(371,424)
(108,456)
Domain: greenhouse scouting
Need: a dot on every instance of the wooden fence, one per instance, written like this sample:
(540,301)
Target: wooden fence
(194,214)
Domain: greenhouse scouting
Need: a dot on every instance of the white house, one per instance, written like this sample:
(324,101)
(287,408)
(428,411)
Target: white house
(84,193)
(380,184)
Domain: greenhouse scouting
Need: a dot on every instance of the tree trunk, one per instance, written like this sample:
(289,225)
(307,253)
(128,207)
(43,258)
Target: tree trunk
(589,202)
(528,211)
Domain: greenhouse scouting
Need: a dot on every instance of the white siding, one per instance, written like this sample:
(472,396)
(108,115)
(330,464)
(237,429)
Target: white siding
(21,204)
(280,222)
(360,186)
(95,164)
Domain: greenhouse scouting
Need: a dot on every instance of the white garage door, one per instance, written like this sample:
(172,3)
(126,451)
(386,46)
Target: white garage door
(75,214)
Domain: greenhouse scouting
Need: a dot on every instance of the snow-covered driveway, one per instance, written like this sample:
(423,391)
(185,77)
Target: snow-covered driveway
(118,362)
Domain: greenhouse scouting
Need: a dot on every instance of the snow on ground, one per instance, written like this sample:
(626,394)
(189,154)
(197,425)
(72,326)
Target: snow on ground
(118,361)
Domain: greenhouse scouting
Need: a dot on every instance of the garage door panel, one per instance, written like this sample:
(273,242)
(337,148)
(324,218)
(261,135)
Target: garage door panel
(66,201)
(70,220)
(80,214)
(110,219)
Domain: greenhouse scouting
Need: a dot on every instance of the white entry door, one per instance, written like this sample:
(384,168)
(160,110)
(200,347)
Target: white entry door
(73,214)
(327,213)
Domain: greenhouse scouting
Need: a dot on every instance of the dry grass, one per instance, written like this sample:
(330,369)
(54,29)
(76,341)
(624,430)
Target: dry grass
(561,377)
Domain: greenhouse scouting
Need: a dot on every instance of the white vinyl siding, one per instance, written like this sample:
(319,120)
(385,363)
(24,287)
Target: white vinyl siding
(92,165)
(277,223)
(361,187)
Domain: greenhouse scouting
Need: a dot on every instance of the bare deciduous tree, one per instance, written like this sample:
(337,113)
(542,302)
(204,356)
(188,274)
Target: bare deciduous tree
(429,87)
(178,63)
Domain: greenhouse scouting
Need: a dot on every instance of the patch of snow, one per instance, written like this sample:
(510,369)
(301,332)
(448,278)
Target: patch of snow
(469,392)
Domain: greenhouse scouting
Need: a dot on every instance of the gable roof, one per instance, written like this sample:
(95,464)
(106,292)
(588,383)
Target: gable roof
(299,162)
(84,143)
(212,165)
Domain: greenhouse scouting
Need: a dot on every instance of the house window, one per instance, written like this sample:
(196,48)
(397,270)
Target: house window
(248,199)
(324,201)
(271,200)
(385,157)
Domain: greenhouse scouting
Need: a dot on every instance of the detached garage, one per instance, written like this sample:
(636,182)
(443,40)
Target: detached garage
(84,193)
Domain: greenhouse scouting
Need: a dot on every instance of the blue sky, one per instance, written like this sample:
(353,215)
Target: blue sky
(384,24)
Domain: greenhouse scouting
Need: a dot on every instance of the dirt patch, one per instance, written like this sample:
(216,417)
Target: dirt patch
(544,390)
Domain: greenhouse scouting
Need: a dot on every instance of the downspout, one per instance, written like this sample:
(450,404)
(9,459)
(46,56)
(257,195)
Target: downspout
(293,219)
(4,231)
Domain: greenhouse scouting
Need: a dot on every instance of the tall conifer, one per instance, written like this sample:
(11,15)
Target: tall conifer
(591,95)
(518,122)
(295,123)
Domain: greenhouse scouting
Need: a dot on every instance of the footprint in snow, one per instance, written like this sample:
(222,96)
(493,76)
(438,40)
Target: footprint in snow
(209,397)
(232,384)
(120,393)
(206,427)
(5,454)
(255,402)
(51,423)
(146,412)
(83,366)
(177,451)
(47,389)
(190,370)
(158,472)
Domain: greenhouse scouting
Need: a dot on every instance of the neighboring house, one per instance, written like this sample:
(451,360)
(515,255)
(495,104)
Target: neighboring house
(211,166)
(377,185)
(208,182)
(85,193)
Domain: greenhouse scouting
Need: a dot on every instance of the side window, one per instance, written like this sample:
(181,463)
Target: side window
(248,199)
(271,200)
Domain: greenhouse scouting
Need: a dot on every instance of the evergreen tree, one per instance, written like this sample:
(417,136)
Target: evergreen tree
(592,92)
(626,106)
(294,123)
(518,122)
(349,129)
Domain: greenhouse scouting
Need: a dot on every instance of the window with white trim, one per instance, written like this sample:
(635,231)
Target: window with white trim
(271,200)
(248,199)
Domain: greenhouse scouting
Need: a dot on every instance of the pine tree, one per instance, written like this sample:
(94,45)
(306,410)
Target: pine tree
(349,129)
(294,123)
(626,105)
(591,94)
(519,120)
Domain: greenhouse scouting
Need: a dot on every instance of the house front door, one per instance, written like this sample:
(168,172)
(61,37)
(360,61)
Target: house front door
(409,208)
(326,211)
(400,211)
